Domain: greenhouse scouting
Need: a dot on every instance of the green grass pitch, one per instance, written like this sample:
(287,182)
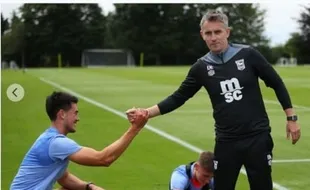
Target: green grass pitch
(106,93)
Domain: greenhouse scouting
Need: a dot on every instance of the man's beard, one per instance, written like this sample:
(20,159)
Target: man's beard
(70,129)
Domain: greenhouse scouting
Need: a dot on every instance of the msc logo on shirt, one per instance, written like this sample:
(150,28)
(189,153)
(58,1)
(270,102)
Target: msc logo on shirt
(231,90)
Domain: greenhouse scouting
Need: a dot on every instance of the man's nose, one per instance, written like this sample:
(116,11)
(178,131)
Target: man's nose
(213,37)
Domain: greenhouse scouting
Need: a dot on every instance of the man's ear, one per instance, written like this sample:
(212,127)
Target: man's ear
(196,165)
(201,34)
(62,113)
(228,31)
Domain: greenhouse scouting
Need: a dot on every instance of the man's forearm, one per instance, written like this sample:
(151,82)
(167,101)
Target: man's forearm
(283,96)
(189,87)
(153,111)
(113,151)
(69,181)
(289,112)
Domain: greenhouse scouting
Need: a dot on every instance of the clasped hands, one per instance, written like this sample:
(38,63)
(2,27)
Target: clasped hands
(137,116)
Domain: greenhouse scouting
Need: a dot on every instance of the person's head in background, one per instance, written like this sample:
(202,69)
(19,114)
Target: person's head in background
(204,168)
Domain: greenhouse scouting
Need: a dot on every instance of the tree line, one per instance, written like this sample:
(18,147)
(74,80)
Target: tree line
(167,34)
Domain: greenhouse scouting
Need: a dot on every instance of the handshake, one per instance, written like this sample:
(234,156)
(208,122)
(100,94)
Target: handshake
(138,117)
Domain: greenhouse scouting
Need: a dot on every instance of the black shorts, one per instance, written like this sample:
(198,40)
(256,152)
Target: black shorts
(255,153)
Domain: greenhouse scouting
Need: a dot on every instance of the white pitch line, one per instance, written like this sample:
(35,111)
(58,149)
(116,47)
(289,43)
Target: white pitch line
(291,161)
(295,106)
(149,127)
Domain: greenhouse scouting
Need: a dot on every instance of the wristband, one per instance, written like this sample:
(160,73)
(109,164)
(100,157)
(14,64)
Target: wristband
(87,185)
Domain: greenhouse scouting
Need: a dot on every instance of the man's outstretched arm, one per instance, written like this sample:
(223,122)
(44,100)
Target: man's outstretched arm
(189,87)
(63,147)
(91,157)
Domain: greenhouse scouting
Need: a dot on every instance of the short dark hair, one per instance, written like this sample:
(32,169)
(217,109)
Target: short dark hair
(206,161)
(57,101)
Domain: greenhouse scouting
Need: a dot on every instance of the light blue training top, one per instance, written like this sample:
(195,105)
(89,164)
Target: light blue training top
(180,180)
(45,162)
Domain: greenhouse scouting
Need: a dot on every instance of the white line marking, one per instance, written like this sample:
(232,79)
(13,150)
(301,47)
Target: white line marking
(277,103)
(291,161)
(149,127)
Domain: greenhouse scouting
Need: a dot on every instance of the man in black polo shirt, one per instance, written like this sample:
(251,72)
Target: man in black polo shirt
(229,73)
